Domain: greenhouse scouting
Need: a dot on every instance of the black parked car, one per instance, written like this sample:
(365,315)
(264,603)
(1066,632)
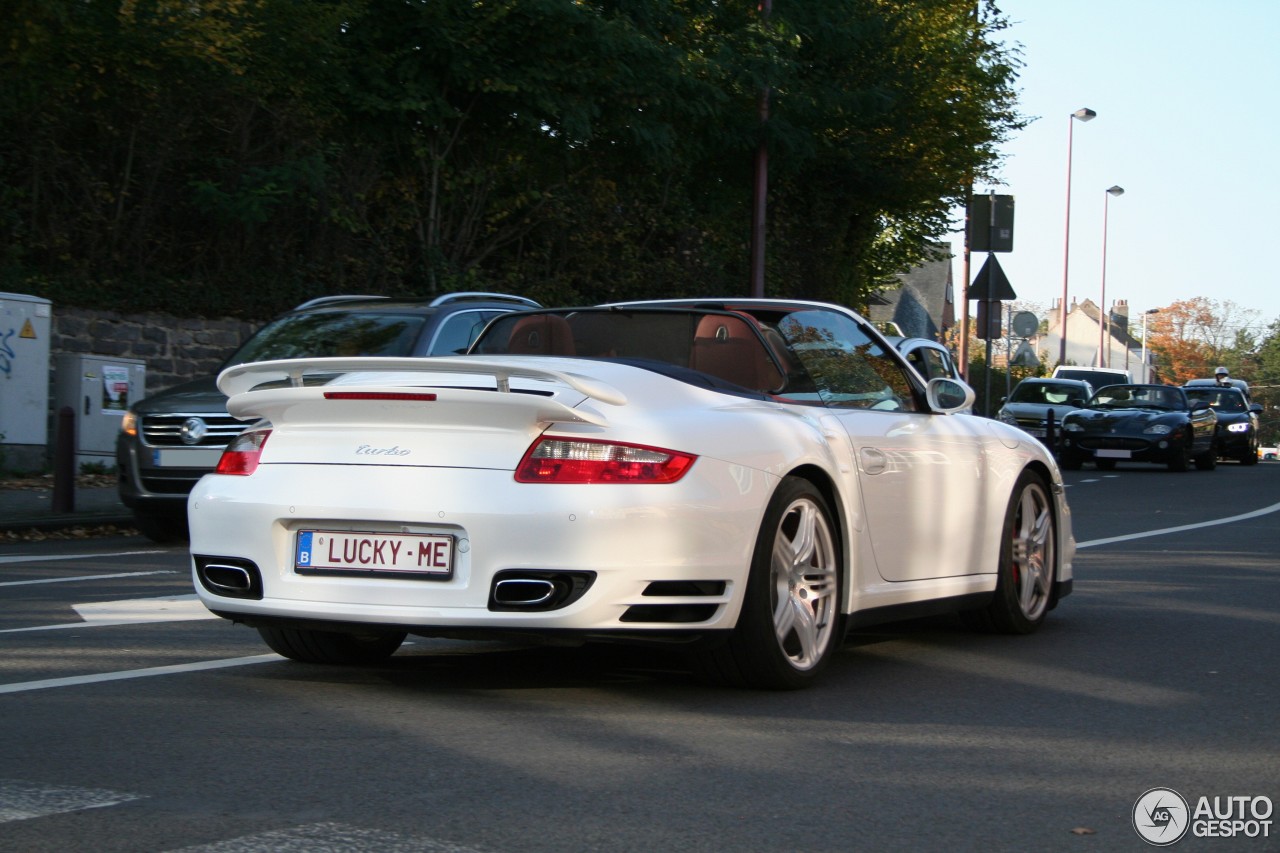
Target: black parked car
(1140,423)
(170,440)
(1237,420)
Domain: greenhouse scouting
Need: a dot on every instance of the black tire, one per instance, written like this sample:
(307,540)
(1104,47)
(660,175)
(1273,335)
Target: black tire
(1208,460)
(791,623)
(1070,461)
(1028,563)
(1105,464)
(1180,458)
(161,528)
(332,647)
(1250,458)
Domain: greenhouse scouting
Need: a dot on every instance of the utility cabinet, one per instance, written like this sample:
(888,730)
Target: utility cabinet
(99,389)
(25,329)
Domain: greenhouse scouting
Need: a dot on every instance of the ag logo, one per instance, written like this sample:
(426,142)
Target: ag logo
(1161,816)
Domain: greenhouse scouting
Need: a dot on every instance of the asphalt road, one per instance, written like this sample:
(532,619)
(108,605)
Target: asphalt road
(128,722)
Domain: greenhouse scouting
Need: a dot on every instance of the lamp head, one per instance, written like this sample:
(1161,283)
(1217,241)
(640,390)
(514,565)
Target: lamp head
(1116,191)
(1084,114)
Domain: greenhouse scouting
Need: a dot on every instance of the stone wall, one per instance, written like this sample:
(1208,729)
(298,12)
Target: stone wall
(175,349)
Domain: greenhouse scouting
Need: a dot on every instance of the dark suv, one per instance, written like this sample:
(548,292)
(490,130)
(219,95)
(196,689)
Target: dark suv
(170,440)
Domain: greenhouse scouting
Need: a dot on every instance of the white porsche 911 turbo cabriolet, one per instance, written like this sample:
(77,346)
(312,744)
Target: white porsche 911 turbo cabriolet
(749,477)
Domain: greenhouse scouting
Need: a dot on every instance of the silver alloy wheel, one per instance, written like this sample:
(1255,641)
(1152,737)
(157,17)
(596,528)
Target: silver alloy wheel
(804,584)
(1032,551)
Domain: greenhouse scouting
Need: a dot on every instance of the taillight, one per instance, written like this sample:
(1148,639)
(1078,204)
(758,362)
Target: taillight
(582,460)
(240,459)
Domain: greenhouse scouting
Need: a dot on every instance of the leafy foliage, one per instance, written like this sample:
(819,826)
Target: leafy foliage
(236,156)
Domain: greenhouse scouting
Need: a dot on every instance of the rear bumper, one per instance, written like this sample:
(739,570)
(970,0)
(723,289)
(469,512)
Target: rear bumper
(661,557)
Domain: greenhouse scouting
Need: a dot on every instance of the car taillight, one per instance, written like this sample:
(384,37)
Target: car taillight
(580,460)
(240,459)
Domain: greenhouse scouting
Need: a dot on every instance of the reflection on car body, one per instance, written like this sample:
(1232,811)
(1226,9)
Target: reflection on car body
(748,478)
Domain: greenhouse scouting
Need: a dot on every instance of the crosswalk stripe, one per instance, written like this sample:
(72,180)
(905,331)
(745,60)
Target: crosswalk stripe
(327,836)
(25,800)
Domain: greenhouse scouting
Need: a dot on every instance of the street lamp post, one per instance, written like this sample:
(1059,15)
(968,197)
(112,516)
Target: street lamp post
(1082,114)
(1104,320)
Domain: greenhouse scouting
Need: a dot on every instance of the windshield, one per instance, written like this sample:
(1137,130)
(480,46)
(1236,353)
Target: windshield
(1221,400)
(1138,397)
(1051,395)
(815,357)
(323,334)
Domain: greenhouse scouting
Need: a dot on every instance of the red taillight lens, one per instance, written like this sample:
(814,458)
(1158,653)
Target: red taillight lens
(580,460)
(240,459)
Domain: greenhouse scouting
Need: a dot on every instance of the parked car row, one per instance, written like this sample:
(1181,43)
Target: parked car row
(1199,423)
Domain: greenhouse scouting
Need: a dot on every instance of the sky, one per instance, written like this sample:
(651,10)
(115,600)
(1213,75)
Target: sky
(1187,96)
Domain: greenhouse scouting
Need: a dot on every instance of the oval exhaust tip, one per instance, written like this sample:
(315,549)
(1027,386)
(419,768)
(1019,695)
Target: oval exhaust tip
(228,577)
(523,592)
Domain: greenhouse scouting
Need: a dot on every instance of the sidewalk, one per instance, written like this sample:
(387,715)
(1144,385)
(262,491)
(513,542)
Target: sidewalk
(32,509)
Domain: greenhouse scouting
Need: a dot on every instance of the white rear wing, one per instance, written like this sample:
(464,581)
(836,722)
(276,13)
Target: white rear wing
(246,377)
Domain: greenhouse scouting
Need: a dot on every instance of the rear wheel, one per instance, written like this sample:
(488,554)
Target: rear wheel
(1028,562)
(790,624)
(331,647)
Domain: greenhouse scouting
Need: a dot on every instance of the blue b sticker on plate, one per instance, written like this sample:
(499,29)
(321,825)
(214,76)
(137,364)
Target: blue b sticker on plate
(304,548)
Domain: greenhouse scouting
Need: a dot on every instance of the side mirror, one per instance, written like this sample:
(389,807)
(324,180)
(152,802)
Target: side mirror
(1256,408)
(948,396)
(1199,405)
(1077,402)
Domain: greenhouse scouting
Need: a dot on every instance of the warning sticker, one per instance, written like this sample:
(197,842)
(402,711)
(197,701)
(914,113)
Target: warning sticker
(28,330)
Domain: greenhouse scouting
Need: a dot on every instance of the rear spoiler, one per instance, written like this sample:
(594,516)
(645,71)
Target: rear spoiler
(246,377)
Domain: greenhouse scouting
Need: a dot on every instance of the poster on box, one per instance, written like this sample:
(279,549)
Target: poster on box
(115,389)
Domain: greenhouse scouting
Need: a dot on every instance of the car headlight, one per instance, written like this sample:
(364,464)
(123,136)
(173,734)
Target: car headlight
(1007,418)
(1158,429)
(129,423)
(1072,426)
(1237,428)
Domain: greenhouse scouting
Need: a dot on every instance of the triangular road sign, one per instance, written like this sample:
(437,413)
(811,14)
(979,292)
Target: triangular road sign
(991,282)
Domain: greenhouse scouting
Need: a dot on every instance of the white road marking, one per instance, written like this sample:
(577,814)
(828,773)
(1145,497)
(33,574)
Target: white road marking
(90,578)
(24,801)
(36,558)
(138,611)
(328,836)
(1128,537)
(173,669)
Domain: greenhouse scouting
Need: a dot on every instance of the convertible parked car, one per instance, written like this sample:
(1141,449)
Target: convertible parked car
(1237,436)
(1140,423)
(1033,400)
(747,477)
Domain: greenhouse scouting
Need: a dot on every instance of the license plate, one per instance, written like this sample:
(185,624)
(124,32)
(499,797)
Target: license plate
(186,457)
(1113,454)
(357,552)
(1035,431)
